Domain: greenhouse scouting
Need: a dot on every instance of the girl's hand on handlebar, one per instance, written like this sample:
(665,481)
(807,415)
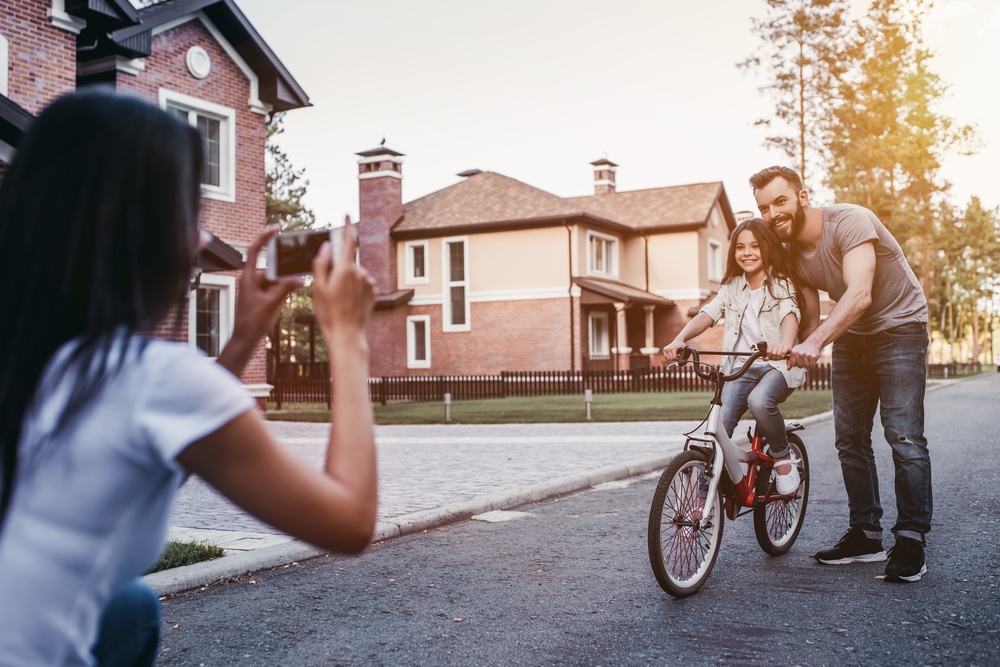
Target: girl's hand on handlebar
(778,352)
(670,351)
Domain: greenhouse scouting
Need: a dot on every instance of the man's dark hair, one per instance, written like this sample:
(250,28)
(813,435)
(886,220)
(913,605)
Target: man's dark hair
(765,176)
(98,236)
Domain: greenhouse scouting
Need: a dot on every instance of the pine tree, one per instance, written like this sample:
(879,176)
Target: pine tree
(286,186)
(804,42)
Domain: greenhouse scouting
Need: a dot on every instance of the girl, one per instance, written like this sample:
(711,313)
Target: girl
(100,423)
(757,300)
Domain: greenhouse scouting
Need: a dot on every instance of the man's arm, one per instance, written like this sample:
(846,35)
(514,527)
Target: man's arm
(859,272)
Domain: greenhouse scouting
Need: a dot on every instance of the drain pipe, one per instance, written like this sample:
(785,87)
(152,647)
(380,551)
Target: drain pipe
(572,320)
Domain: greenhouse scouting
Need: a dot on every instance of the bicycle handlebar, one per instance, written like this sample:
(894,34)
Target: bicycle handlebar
(689,353)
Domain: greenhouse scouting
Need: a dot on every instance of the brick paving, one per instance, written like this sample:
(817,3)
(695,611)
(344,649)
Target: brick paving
(425,467)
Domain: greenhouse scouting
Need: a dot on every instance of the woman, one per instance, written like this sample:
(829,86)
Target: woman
(101,422)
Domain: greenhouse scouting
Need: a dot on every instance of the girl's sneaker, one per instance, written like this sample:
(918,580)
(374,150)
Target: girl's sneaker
(787,483)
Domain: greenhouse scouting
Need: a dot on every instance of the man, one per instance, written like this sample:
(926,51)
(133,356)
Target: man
(879,334)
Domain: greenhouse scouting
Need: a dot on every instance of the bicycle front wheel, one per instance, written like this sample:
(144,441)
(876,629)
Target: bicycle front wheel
(777,521)
(683,544)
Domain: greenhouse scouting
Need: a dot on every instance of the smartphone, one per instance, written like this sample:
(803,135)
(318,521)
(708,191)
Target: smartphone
(292,253)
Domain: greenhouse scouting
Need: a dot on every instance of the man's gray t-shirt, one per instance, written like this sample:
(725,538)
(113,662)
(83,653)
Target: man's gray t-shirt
(896,294)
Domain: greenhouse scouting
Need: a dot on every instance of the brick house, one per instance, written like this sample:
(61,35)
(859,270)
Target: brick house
(199,59)
(491,274)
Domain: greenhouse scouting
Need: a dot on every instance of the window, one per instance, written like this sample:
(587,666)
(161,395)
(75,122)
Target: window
(210,313)
(456,285)
(715,269)
(418,341)
(602,254)
(416,263)
(600,344)
(217,126)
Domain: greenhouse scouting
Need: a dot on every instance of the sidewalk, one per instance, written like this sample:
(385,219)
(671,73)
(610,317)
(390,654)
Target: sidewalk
(428,476)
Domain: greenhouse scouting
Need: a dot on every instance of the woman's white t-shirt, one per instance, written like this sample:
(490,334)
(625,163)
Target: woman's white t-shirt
(91,506)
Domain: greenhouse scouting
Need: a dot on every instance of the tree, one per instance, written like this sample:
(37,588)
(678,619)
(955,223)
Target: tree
(804,42)
(293,337)
(285,185)
(887,138)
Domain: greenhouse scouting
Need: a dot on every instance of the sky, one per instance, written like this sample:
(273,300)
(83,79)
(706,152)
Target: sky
(538,89)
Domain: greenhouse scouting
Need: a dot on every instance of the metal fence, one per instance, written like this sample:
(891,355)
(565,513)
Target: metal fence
(527,383)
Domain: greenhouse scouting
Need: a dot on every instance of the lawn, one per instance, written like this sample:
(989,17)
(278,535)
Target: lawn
(672,406)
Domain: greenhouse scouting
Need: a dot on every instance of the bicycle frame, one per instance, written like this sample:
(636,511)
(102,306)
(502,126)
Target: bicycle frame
(726,453)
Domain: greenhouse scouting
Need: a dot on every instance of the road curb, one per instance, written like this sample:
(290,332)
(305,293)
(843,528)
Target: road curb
(190,577)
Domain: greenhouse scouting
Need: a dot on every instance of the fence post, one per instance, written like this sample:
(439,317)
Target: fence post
(447,406)
(588,396)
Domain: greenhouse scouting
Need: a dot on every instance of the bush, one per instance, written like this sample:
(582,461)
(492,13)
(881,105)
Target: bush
(178,554)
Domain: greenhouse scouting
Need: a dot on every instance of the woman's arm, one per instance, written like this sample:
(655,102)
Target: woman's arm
(333,508)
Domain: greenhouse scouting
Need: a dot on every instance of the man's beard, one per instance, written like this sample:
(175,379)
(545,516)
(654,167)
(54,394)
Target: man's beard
(798,222)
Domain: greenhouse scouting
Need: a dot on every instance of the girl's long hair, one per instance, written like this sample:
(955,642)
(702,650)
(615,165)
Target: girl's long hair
(98,234)
(774,257)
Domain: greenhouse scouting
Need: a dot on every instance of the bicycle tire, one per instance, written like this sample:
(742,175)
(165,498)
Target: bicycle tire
(777,522)
(682,546)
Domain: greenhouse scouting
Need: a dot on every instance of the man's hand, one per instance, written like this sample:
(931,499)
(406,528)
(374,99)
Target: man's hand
(805,354)
(671,350)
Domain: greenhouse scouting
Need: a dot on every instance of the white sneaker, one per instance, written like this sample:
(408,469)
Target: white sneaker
(787,483)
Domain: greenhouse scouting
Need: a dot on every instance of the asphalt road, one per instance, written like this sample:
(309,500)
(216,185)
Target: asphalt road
(569,583)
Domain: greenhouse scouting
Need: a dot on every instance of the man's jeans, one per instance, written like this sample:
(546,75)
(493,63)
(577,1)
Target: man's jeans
(761,389)
(888,367)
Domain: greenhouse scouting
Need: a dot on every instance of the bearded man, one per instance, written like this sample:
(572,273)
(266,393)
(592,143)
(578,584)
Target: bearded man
(879,333)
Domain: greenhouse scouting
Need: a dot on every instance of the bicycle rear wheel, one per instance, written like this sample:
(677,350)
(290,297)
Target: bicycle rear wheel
(683,545)
(777,522)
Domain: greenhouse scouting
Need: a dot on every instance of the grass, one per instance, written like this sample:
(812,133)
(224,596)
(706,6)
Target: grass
(185,553)
(673,406)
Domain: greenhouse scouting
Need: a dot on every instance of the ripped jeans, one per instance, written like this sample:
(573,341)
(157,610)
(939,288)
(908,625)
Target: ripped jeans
(887,368)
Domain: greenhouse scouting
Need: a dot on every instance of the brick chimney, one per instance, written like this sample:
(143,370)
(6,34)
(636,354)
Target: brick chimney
(604,176)
(380,194)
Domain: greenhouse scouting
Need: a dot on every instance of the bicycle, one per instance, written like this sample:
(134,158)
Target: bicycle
(712,476)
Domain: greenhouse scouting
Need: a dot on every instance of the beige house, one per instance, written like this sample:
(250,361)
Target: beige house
(492,274)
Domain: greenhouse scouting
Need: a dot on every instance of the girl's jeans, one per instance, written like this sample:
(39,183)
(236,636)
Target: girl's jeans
(761,389)
(129,628)
(890,368)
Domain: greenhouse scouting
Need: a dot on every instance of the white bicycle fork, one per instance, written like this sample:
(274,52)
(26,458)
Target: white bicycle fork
(727,453)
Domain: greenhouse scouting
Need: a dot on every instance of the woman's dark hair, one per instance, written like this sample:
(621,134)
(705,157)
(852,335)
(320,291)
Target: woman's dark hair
(98,235)
(772,254)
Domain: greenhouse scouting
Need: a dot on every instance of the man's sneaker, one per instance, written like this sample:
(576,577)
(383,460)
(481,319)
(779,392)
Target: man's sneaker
(906,561)
(853,547)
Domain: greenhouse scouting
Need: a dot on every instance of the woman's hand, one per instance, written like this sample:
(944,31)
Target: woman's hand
(260,299)
(257,305)
(343,292)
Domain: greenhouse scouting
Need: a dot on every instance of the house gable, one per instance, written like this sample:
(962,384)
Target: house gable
(272,87)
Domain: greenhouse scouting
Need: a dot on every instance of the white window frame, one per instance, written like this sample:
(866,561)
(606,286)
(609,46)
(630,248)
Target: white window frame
(715,260)
(226,190)
(4,64)
(411,341)
(611,250)
(412,279)
(227,308)
(599,347)
(447,283)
